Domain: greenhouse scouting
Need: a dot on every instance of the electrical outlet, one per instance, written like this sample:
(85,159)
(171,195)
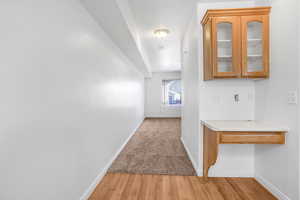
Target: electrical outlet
(236,97)
(292,97)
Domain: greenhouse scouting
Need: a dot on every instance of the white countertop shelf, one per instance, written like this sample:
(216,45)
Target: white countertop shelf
(244,126)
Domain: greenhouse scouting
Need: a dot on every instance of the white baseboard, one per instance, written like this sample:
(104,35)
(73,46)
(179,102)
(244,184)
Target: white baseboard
(175,117)
(272,188)
(94,184)
(98,179)
(229,173)
(198,170)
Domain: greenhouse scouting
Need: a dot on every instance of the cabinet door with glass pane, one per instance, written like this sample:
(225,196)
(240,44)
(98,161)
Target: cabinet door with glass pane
(226,45)
(255,46)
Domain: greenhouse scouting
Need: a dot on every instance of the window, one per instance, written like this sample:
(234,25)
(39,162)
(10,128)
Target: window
(171,92)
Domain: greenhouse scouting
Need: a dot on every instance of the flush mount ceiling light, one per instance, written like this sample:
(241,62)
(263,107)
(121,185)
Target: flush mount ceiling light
(161,33)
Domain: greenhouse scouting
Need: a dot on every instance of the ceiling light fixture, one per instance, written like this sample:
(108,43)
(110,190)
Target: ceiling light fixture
(161,33)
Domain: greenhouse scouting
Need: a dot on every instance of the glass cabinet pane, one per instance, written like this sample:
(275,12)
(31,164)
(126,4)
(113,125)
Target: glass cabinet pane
(255,46)
(224,47)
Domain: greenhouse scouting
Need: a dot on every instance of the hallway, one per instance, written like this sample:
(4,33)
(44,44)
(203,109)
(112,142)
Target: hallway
(150,100)
(155,148)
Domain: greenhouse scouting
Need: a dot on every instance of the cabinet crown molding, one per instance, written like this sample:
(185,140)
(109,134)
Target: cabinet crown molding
(235,12)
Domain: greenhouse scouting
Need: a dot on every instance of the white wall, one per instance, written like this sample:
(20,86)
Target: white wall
(216,102)
(64,87)
(153,96)
(279,164)
(190,121)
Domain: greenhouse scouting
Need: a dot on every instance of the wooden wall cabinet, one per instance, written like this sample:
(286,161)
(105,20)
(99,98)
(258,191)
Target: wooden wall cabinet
(236,43)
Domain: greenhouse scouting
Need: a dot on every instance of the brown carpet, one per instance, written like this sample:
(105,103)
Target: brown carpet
(155,148)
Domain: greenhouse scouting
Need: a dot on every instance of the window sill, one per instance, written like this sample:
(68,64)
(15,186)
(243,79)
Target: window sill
(172,106)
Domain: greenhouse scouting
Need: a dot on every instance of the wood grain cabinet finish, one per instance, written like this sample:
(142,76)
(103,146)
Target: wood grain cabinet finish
(212,139)
(236,43)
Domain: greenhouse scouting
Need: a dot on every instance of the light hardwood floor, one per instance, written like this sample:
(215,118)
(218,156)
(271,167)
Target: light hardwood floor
(116,186)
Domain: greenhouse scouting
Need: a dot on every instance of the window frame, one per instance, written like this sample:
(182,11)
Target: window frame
(165,101)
